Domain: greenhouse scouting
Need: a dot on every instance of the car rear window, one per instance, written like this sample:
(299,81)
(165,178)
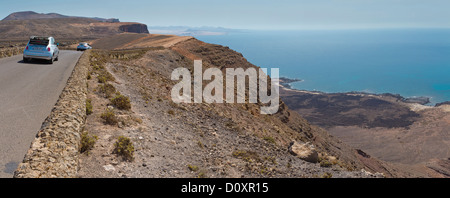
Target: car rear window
(39,41)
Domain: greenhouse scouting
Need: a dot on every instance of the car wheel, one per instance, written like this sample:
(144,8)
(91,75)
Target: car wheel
(57,58)
(26,60)
(50,61)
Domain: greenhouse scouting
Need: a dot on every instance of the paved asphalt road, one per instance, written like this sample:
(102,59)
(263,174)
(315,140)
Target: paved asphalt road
(28,92)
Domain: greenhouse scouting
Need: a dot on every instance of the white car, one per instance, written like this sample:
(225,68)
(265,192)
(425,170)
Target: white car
(39,47)
(83,46)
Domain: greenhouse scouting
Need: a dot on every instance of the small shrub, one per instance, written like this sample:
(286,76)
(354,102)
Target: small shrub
(171,112)
(200,144)
(269,139)
(109,117)
(138,120)
(202,174)
(124,148)
(230,124)
(95,66)
(327,175)
(87,142)
(271,159)
(193,168)
(325,163)
(107,90)
(248,156)
(101,79)
(89,107)
(121,102)
(105,76)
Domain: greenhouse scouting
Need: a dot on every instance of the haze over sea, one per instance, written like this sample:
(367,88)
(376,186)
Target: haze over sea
(409,62)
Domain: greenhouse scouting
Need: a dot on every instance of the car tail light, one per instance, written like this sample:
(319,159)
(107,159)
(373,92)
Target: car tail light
(27,47)
(48,48)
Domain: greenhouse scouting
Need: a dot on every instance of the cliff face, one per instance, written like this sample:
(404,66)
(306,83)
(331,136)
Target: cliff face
(134,28)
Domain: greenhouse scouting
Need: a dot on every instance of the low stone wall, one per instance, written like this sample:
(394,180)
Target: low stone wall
(10,51)
(55,150)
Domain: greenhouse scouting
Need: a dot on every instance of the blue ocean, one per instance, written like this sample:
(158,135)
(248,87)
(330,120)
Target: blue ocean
(409,62)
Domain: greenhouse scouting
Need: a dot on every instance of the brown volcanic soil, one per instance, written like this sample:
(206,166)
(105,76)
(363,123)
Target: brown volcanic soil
(132,40)
(65,28)
(382,126)
(116,41)
(167,144)
(346,109)
(221,140)
(426,139)
(439,168)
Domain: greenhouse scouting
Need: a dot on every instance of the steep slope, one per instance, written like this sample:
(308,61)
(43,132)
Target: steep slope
(27,15)
(182,140)
(292,125)
(221,140)
(32,15)
(66,28)
(387,126)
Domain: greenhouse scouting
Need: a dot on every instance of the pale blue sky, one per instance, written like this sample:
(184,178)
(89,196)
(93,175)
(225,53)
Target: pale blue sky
(252,14)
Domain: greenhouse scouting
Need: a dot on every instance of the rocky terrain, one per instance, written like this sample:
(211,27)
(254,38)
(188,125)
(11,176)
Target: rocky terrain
(421,143)
(202,140)
(20,26)
(350,109)
(10,51)
(386,126)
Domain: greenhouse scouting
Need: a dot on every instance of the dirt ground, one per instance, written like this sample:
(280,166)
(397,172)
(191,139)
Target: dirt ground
(426,139)
(132,40)
(186,140)
(381,125)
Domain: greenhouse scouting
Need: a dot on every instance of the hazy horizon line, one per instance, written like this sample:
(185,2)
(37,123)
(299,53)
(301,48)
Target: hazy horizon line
(295,29)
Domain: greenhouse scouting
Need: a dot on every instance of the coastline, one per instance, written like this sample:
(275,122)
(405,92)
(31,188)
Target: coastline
(366,110)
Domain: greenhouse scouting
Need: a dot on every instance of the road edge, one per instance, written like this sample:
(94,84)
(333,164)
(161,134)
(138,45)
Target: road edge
(54,153)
